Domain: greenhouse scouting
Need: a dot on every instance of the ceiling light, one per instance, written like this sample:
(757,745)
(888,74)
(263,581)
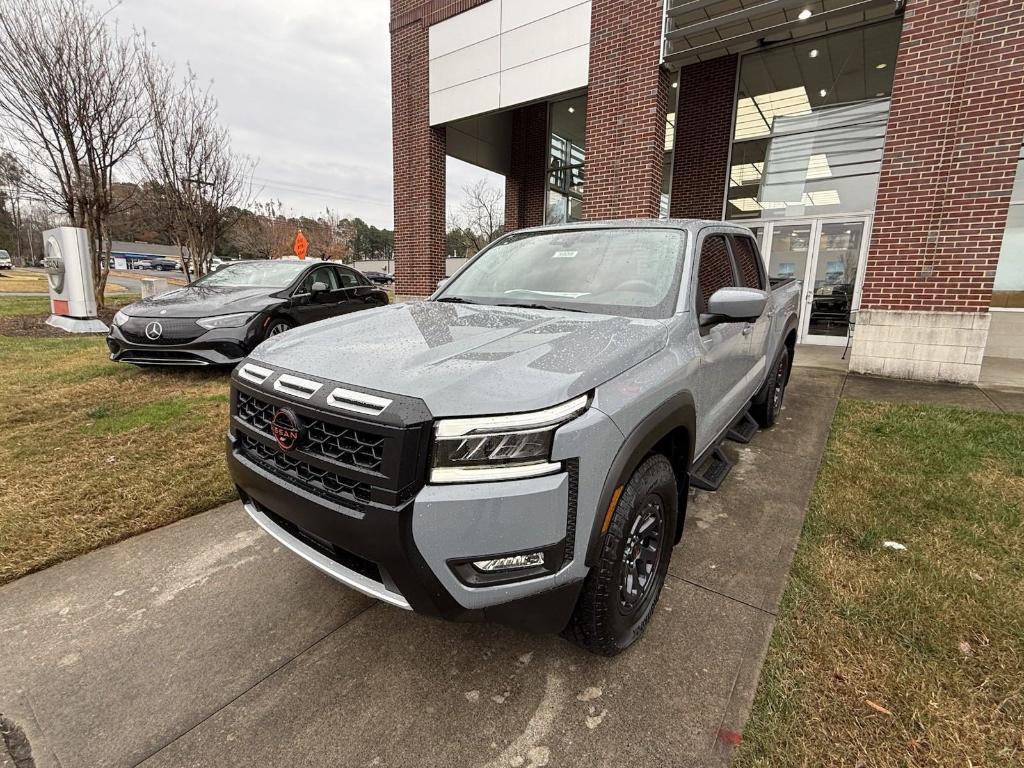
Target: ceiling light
(805,14)
(823,93)
(572,109)
(883,65)
(675,85)
(814,53)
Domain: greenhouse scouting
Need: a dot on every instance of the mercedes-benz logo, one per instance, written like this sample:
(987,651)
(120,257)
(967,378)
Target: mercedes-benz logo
(153,331)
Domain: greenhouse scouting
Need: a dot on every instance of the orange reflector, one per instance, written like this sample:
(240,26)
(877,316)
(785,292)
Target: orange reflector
(611,509)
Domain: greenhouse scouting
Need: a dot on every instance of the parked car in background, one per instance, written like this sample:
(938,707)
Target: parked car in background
(5,260)
(218,263)
(380,278)
(222,316)
(156,263)
(519,447)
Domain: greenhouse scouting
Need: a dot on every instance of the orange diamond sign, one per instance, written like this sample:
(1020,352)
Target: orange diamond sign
(301,245)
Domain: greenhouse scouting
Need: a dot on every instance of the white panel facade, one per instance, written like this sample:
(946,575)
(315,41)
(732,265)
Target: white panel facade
(507,52)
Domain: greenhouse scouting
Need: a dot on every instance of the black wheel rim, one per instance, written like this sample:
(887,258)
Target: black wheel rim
(642,554)
(779,387)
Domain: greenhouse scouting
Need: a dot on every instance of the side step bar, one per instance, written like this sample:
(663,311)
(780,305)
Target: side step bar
(712,471)
(743,429)
(714,468)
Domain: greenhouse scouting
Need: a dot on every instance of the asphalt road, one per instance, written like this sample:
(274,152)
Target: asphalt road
(204,643)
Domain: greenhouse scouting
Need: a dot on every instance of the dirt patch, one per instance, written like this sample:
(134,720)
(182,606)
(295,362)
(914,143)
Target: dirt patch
(35,325)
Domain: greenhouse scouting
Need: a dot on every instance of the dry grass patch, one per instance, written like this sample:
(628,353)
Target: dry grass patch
(95,451)
(24,281)
(883,657)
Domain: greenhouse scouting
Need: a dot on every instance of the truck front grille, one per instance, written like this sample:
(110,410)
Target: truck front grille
(344,445)
(320,482)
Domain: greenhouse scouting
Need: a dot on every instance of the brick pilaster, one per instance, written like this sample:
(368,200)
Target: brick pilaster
(419,160)
(627,102)
(951,148)
(526,183)
(700,172)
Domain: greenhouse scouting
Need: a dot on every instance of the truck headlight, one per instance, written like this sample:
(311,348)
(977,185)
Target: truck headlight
(225,321)
(489,448)
(120,318)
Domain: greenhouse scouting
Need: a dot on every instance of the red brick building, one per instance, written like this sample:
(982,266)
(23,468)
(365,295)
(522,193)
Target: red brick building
(873,146)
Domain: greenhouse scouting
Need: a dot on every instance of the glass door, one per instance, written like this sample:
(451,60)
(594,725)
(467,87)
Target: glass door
(832,285)
(827,258)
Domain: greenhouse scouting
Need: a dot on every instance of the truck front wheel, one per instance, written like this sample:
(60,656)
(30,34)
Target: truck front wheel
(621,591)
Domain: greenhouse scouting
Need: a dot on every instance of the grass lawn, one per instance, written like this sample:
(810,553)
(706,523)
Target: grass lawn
(883,657)
(23,281)
(95,451)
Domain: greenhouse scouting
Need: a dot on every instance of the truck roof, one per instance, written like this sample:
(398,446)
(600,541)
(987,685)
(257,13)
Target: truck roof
(690,225)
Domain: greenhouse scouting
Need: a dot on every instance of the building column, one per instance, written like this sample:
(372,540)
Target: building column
(419,159)
(700,163)
(526,182)
(627,103)
(951,149)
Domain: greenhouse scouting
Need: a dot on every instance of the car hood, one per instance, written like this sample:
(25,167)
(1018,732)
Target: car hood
(201,301)
(468,360)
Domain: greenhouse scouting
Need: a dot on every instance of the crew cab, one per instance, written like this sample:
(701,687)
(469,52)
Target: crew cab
(519,447)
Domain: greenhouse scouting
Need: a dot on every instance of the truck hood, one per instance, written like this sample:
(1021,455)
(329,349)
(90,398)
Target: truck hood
(468,360)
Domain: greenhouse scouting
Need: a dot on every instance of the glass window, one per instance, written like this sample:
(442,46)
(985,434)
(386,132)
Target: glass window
(630,272)
(567,160)
(670,142)
(745,251)
(810,125)
(1008,290)
(325,275)
(714,270)
(347,278)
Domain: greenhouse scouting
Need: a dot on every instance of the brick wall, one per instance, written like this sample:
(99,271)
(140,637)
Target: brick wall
(419,160)
(627,102)
(951,150)
(526,183)
(703,124)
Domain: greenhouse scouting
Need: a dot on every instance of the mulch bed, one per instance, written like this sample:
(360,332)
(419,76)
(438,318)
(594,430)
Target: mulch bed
(35,325)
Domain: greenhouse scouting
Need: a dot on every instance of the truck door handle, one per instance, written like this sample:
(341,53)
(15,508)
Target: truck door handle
(747,329)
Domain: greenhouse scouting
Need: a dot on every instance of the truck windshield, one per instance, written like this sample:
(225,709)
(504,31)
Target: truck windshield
(622,271)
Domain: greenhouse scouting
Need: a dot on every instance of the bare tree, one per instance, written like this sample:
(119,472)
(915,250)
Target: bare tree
(205,183)
(12,181)
(480,217)
(71,108)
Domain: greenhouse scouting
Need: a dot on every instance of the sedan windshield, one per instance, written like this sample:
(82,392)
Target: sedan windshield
(631,272)
(254,274)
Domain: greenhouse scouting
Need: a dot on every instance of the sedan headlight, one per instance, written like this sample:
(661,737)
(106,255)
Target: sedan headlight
(120,318)
(226,321)
(499,447)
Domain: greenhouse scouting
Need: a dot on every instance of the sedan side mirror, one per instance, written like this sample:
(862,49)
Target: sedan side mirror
(735,305)
(318,287)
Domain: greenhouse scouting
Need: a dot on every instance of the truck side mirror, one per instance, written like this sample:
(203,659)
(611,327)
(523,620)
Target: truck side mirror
(442,282)
(735,305)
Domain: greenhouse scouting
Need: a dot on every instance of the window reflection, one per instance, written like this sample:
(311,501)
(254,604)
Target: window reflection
(567,160)
(1008,291)
(810,125)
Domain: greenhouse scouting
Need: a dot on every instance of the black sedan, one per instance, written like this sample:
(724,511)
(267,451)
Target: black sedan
(381,278)
(218,319)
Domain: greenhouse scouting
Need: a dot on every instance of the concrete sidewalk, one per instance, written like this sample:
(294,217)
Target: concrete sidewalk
(204,643)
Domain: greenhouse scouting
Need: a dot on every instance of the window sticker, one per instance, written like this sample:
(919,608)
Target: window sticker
(564,255)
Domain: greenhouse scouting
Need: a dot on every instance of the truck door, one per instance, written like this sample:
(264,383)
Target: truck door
(750,270)
(724,348)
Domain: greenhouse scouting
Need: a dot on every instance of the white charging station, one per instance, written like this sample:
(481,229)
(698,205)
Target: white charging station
(66,259)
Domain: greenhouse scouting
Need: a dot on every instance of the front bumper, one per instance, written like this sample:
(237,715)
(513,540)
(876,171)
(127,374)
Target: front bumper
(218,347)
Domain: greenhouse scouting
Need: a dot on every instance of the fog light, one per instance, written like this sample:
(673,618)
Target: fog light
(511,563)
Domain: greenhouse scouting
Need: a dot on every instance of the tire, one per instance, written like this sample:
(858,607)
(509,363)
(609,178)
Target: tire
(609,617)
(767,403)
(276,327)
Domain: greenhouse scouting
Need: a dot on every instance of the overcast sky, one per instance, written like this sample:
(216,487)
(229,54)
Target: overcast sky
(304,85)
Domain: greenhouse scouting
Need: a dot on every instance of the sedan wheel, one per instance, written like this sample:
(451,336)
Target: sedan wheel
(278,327)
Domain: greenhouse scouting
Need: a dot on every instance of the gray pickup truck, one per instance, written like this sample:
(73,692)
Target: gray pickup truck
(519,448)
